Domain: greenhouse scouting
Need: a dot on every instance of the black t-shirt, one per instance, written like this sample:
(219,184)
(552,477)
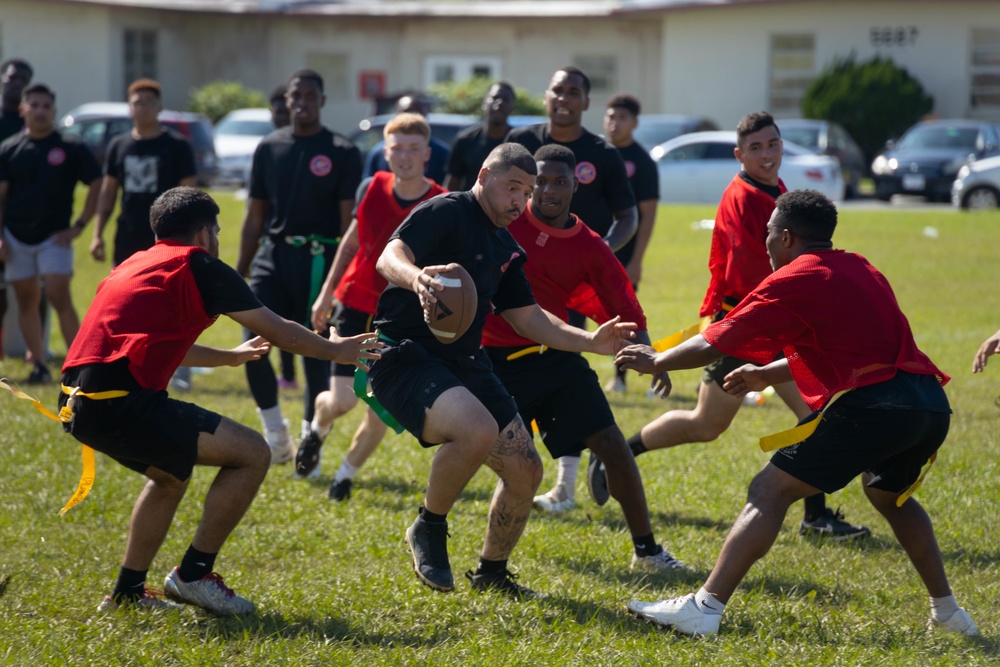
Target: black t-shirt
(468,152)
(42,175)
(645,182)
(10,123)
(453,227)
(772,190)
(604,186)
(304,179)
(144,169)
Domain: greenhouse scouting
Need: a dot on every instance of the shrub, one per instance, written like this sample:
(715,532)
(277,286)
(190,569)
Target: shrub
(467,97)
(217,98)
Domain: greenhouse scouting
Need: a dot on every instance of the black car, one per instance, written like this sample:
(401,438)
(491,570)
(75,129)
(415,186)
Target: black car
(825,137)
(926,159)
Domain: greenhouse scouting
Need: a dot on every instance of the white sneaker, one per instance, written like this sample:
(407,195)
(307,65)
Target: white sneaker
(553,502)
(615,386)
(209,593)
(678,614)
(959,622)
(281,445)
(657,563)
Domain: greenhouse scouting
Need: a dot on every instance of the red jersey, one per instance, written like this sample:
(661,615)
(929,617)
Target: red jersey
(837,320)
(567,268)
(379,214)
(738,258)
(149,310)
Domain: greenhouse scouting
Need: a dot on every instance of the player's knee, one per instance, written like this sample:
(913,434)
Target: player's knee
(342,404)
(609,445)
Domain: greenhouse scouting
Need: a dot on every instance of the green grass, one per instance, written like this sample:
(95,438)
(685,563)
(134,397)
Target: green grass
(333,582)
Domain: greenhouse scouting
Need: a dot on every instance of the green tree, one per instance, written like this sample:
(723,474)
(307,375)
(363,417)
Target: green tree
(874,100)
(467,97)
(217,98)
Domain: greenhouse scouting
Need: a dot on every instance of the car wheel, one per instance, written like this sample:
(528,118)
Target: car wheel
(983,197)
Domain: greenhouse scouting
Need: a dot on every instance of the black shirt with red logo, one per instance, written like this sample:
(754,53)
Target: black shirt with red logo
(645,182)
(604,186)
(41,175)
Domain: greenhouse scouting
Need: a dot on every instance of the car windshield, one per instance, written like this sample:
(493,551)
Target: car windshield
(803,136)
(250,128)
(941,136)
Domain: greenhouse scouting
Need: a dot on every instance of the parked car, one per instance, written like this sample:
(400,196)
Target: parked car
(444,126)
(96,123)
(654,129)
(978,185)
(825,137)
(236,138)
(929,155)
(697,167)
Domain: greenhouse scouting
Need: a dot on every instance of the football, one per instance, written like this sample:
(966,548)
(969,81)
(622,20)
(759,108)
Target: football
(456,305)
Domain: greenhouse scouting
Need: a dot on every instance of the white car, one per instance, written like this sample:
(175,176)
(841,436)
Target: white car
(978,185)
(696,168)
(236,138)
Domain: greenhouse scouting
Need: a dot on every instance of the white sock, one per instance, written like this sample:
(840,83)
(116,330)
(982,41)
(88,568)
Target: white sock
(271,418)
(708,604)
(319,429)
(569,466)
(346,471)
(943,608)
(306,428)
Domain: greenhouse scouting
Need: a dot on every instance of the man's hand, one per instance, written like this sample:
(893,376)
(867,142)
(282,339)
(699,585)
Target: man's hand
(634,271)
(989,347)
(640,358)
(425,284)
(356,349)
(97,249)
(746,378)
(66,236)
(613,335)
(322,309)
(661,385)
(251,350)
(4,250)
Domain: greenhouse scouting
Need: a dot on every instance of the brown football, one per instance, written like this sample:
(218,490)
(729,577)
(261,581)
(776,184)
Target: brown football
(456,305)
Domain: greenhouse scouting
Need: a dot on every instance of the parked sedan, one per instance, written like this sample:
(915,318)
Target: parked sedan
(236,138)
(929,155)
(654,129)
(978,185)
(825,137)
(697,167)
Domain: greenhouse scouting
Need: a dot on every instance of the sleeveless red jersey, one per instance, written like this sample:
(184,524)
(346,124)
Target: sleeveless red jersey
(149,310)
(567,268)
(379,214)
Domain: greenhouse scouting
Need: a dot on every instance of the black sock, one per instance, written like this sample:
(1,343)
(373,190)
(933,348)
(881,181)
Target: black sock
(645,545)
(431,517)
(131,585)
(635,444)
(815,506)
(488,566)
(196,564)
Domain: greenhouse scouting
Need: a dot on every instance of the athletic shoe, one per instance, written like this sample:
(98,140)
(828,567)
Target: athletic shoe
(209,593)
(657,562)
(40,374)
(280,443)
(429,547)
(831,525)
(341,490)
(597,480)
(615,386)
(959,622)
(502,582)
(678,614)
(308,455)
(550,502)
(151,599)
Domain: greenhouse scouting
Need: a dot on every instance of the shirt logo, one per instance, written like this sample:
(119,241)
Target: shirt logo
(586,173)
(506,265)
(142,174)
(57,156)
(320,166)
(629,168)
(542,239)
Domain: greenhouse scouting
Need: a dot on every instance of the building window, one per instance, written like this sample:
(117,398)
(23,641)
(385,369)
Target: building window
(333,67)
(443,69)
(984,98)
(140,55)
(793,68)
(601,70)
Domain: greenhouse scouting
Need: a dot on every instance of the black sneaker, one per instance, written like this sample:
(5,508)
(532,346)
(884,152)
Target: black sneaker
(429,547)
(502,582)
(39,375)
(341,490)
(597,480)
(831,525)
(307,456)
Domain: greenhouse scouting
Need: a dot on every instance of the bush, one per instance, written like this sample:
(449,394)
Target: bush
(218,98)
(467,97)
(874,100)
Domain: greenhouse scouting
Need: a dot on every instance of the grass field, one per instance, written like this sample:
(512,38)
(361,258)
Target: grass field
(333,582)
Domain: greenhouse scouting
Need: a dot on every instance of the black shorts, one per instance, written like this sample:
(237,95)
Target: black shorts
(146,428)
(560,392)
(718,370)
(890,444)
(349,322)
(407,380)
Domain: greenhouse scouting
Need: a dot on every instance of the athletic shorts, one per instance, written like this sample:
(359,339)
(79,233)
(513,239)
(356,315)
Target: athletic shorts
(349,322)
(718,370)
(407,380)
(560,392)
(145,428)
(890,444)
(44,259)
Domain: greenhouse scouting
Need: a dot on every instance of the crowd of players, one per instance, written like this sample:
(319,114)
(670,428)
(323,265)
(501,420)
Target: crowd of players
(552,222)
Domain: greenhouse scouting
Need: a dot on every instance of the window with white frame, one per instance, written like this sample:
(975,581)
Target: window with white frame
(984,72)
(793,68)
(442,69)
(602,70)
(140,55)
